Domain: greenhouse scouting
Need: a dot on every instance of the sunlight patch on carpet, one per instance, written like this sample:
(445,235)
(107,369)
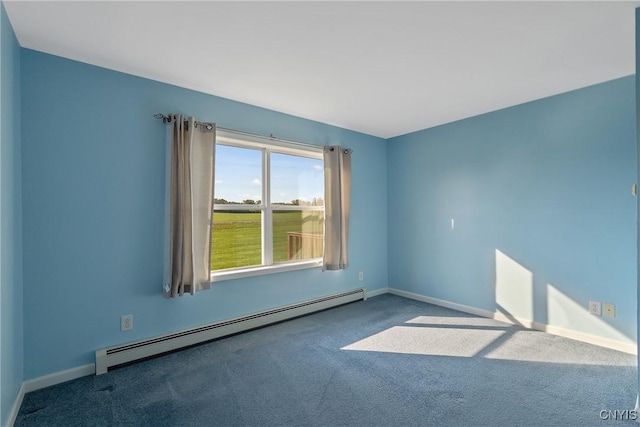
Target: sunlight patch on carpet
(454,342)
(457,321)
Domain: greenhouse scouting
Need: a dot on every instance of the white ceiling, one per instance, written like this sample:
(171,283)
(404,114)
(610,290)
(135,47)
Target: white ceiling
(382,68)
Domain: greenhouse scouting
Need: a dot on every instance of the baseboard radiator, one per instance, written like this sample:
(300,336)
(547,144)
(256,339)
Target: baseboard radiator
(114,356)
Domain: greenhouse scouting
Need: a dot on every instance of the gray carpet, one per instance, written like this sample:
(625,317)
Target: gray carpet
(386,361)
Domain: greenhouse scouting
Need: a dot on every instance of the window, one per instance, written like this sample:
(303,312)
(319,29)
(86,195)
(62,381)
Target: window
(268,208)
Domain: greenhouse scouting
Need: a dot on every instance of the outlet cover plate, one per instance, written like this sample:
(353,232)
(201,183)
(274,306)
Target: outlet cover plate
(126,322)
(609,309)
(595,308)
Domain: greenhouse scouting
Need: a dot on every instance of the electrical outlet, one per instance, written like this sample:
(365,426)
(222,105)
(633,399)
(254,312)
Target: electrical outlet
(609,309)
(126,322)
(361,276)
(595,308)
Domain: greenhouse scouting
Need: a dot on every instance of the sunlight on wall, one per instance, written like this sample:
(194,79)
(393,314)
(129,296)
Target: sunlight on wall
(514,287)
(470,336)
(564,312)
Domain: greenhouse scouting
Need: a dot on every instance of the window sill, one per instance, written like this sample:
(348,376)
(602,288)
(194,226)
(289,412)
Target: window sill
(241,273)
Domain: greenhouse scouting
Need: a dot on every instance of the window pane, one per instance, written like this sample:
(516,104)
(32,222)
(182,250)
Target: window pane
(238,175)
(296,180)
(236,240)
(297,235)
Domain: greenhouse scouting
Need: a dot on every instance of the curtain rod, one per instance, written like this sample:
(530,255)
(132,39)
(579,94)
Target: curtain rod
(209,126)
(165,118)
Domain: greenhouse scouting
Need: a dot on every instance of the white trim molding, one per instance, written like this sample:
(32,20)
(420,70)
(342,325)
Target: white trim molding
(13,415)
(152,346)
(241,273)
(376,292)
(59,377)
(90,369)
(526,323)
(46,381)
(588,338)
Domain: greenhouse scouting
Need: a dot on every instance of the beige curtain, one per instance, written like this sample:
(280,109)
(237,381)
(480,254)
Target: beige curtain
(337,207)
(188,206)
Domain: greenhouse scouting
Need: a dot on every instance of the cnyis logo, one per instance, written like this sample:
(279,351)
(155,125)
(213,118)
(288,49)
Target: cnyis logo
(619,415)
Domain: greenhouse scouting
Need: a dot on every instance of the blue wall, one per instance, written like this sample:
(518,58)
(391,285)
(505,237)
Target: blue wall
(544,219)
(637,118)
(539,193)
(93,204)
(11,305)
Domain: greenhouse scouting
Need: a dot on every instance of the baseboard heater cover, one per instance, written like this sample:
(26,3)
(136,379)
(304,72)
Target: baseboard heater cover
(114,356)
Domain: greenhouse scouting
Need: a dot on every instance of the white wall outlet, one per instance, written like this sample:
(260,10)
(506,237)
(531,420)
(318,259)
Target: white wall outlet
(361,276)
(595,308)
(126,322)
(609,309)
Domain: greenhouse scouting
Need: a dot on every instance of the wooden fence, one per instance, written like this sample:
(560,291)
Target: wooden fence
(304,245)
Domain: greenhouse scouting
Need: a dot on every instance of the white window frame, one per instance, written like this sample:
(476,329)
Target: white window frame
(266,146)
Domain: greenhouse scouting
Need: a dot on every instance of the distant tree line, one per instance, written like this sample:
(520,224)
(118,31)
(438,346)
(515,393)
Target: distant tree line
(296,202)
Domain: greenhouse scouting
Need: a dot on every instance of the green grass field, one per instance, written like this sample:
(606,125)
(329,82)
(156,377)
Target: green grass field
(236,236)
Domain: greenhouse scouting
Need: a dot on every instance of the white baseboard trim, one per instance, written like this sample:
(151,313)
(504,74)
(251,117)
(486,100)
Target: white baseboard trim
(377,292)
(442,303)
(13,415)
(59,377)
(526,323)
(90,369)
(588,338)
